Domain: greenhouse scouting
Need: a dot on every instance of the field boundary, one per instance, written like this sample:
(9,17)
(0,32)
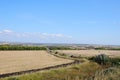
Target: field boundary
(41,69)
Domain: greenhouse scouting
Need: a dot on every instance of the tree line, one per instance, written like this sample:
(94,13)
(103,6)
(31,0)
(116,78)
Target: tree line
(59,48)
(20,47)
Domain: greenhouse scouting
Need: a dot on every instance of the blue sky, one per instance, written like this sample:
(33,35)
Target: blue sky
(60,21)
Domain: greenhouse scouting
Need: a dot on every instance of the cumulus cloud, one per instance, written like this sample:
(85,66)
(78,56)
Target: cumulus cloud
(7,31)
(32,35)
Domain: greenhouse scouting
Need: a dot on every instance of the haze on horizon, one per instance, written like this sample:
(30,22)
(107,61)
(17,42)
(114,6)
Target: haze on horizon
(60,21)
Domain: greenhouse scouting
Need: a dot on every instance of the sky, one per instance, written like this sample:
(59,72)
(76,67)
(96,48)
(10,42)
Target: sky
(60,21)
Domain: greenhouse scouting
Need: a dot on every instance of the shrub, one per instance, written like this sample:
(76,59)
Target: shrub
(102,59)
(56,52)
(115,61)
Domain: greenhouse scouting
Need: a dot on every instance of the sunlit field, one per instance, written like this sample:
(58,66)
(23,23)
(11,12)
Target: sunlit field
(90,53)
(14,61)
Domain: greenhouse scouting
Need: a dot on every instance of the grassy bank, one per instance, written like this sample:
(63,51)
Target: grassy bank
(75,72)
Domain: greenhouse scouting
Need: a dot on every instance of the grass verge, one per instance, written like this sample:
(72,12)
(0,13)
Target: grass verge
(80,72)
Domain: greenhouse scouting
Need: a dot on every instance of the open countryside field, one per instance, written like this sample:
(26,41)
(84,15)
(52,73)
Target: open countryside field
(14,61)
(90,53)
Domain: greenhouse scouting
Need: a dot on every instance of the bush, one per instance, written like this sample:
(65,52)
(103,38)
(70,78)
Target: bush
(102,59)
(56,52)
(115,61)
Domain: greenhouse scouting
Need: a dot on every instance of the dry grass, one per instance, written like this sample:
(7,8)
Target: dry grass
(13,61)
(112,73)
(90,53)
(75,72)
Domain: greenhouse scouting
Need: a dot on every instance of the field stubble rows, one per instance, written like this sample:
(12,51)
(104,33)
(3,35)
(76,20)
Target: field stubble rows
(90,53)
(15,61)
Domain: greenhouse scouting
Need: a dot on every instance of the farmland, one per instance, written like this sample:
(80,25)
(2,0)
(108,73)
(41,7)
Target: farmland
(14,61)
(90,53)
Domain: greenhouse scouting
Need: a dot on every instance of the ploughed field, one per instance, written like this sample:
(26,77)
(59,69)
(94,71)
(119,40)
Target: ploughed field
(15,61)
(90,53)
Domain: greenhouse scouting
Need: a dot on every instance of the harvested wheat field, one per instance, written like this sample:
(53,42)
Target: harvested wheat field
(14,61)
(90,53)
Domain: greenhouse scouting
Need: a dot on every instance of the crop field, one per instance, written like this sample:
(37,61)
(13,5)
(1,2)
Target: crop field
(14,61)
(90,53)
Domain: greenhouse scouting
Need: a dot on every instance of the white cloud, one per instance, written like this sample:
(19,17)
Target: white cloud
(7,31)
(55,35)
(32,35)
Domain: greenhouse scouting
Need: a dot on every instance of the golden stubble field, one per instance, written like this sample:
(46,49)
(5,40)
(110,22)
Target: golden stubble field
(14,61)
(90,53)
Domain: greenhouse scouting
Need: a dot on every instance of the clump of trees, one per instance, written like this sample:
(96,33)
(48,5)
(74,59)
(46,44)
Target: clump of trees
(20,47)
